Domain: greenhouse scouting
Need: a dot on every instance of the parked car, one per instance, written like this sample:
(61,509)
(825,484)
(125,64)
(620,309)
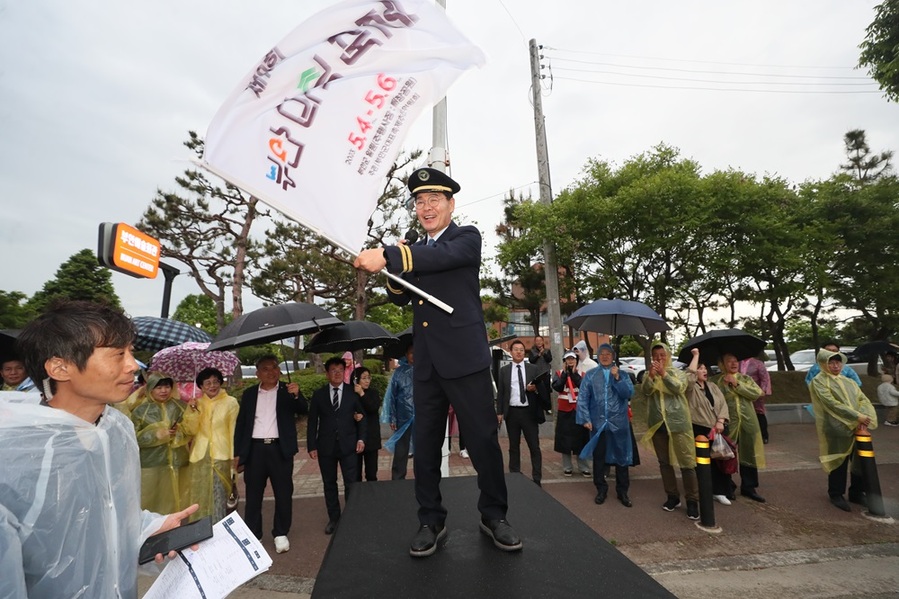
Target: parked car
(804,359)
(288,366)
(635,366)
(247,372)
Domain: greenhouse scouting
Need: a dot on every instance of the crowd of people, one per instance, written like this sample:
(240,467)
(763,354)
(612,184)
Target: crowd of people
(158,461)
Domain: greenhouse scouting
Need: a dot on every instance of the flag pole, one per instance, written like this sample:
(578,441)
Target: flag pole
(261,197)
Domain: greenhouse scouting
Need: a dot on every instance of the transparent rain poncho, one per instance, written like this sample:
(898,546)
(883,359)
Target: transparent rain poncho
(743,424)
(70,518)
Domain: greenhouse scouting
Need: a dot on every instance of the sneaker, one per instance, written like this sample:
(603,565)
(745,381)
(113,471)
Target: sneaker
(671,504)
(464,453)
(892,423)
(586,473)
(567,472)
(282,545)
(722,499)
(693,510)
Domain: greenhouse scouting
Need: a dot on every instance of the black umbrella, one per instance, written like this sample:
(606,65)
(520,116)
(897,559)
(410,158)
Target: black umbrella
(350,336)
(714,344)
(8,343)
(618,317)
(274,323)
(155,333)
(866,351)
(397,349)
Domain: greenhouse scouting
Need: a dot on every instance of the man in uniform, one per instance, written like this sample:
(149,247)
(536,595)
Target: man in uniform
(452,359)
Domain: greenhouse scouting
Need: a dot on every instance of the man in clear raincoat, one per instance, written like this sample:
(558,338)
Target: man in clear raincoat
(71,524)
(841,410)
(602,409)
(670,429)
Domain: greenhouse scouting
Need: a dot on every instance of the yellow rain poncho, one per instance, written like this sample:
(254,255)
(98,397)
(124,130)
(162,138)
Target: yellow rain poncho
(667,404)
(838,402)
(743,424)
(211,455)
(165,482)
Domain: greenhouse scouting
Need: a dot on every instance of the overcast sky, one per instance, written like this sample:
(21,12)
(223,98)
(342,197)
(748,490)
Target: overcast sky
(97,96)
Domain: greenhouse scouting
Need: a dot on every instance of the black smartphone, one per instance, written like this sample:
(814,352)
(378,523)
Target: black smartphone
(175,539)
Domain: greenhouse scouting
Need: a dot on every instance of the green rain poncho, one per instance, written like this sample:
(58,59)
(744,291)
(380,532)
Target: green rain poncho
(743,424)
(838,402)
(667,405)
(165,483)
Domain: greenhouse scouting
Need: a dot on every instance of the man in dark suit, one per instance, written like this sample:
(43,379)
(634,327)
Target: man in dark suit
(452,359)
(265,441)
(334,436)
(519,405)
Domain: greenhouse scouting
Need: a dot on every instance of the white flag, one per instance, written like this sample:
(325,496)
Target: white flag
(315,126)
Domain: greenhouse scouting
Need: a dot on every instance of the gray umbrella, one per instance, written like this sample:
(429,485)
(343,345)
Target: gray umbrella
(350,336)
(155,333)
(618,317)
(273,323)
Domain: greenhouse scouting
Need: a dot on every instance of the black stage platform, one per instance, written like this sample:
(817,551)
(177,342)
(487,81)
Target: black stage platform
(562,557)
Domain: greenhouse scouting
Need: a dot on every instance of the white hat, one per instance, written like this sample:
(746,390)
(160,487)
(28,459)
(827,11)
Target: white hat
(569,354)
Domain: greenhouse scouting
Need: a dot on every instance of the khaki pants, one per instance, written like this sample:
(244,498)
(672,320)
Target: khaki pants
(661,443)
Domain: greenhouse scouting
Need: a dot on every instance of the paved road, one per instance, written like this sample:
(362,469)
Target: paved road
(795,545)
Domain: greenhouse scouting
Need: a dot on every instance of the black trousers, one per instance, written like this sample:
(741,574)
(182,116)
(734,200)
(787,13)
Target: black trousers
(622,474)
(521,421)
(472,399)
(267,463)
(836,480)
(367,461)
(328,466)
(401,455)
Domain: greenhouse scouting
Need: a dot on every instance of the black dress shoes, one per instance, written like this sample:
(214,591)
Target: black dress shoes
(753,495)
(331,527)
(503,535)
(625,500)
(840,502)
(424,543)
(600,498)
(859,498)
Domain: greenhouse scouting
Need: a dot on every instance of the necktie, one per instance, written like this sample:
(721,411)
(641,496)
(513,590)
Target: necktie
(335,400)
(521,389)
(430,241)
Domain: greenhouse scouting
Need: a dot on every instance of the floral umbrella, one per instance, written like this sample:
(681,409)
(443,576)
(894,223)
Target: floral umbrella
(183,362)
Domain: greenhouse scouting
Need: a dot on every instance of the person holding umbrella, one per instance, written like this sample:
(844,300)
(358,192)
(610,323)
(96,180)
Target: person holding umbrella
(602,409)
(708,411)
(164,426)
(670,429)
(740,392)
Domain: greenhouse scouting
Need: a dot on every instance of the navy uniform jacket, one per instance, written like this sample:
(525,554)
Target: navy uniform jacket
(287,408)
(504,390)
(455,345)
(327,428)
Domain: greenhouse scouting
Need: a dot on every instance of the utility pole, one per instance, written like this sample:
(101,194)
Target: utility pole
(550,268)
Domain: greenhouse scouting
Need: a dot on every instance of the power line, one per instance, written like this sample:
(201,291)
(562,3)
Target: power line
(668,59)
(598,72)
(490,197)
(720,89)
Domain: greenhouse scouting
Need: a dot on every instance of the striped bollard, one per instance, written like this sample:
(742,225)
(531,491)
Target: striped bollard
(704,476)
(864,450)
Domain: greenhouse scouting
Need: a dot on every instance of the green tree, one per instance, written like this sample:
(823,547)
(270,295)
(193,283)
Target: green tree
(208,230)
(880,48)
(522,283)
(14,314)
(198,309)
(79,278)
(862,164)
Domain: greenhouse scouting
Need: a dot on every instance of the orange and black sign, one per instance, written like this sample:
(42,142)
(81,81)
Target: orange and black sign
(125,249)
